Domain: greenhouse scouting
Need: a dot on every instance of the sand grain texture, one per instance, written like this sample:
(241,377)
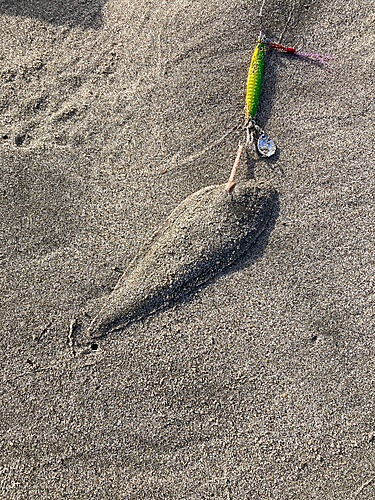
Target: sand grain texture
(261,385)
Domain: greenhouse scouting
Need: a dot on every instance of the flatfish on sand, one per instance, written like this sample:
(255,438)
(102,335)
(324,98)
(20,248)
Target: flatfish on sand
(206,233)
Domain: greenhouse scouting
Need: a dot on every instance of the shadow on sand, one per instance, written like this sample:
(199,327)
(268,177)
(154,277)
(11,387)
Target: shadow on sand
(87,13)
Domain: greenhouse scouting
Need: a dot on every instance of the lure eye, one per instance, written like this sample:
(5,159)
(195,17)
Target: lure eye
(260,48)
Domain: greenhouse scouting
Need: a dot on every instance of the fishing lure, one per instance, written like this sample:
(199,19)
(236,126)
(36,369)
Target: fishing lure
(254,80)
(265,145)
(255,135)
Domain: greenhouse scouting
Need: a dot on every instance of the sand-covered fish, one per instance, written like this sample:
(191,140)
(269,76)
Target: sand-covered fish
(206,233)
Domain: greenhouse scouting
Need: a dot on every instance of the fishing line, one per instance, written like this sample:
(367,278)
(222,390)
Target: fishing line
(260,15)
(288,20)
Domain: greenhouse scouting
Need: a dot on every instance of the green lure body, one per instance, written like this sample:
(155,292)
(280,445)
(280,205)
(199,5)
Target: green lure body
(254,80)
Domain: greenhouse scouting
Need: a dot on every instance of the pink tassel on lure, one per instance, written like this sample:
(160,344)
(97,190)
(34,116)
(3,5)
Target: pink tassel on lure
(322,59)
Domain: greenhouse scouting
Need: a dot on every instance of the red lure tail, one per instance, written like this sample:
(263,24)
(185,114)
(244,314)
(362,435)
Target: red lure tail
(322,59)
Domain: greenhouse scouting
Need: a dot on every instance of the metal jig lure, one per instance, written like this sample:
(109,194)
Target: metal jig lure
(255,136)
(254,80)
(265,145)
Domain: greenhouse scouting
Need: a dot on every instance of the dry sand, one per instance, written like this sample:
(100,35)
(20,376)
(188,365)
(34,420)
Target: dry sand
(259,386)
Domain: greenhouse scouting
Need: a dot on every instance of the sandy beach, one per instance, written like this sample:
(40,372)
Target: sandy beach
(261,383)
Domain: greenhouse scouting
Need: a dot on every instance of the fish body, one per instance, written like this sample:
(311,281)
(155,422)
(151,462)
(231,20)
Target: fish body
(206,233)
(254,80)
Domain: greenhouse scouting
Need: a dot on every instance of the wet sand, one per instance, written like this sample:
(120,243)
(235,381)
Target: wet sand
(258,385)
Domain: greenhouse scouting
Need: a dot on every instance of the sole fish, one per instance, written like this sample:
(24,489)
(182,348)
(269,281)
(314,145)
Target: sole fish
(206,233)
